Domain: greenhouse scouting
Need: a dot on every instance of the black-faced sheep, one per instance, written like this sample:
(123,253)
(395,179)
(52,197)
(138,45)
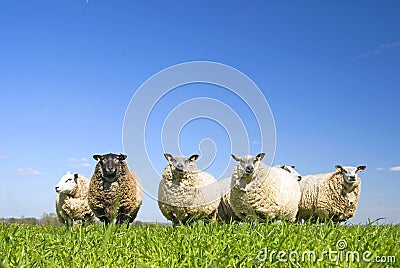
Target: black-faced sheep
(114,192)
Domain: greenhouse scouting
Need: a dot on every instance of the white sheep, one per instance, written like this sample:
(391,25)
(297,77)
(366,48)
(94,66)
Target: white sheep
(114,191)
(225,210)
(330,196)
(291,170)
(262,192)
(71,199)
(186,194)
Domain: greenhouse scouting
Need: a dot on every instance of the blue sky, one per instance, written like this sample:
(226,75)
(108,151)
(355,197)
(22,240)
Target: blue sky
(68,70)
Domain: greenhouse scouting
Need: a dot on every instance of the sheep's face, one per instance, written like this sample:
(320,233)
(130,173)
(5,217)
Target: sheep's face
(248,164)
(67,184)
(292,171)
(181,164)
(350,173)
(110,165)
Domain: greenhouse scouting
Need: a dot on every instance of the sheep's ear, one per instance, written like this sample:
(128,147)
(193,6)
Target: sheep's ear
(360,168)
(293,166)
(193,157)
(339,168)
(122,156)
(235,157)
(168,157)
(260,156)
(76,177)
(282,167)
(97,157)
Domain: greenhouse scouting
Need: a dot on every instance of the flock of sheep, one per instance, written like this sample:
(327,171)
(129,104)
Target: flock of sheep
(185,194)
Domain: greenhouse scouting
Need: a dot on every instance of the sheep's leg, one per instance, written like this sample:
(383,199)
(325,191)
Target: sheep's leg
(68,224)
(175,222)
(105,220)
(213,216)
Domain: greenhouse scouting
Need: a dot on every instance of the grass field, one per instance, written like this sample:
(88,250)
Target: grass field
(201,245)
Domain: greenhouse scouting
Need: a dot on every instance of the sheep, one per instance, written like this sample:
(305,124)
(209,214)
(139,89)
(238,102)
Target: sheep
(225,211)
(330,196)
(71,199)
(261,192)
(186,194)
(114,192)
(291,170)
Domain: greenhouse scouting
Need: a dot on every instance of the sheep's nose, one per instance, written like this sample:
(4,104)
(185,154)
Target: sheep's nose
(249,169)
(56,188)
(353,178)
(299,178)
(180,166)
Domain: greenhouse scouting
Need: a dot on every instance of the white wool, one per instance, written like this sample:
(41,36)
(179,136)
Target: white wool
(186,196)
(269,193)
(71,200)
(329,195)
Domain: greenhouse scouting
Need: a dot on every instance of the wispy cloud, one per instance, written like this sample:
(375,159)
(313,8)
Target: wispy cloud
(2,156)
(26,172)
(396,168)
(380,49)
(380,168)
(78,162)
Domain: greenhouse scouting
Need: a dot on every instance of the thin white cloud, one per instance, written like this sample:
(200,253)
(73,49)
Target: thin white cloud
(390,45)
(396,168)
(78,163)
(2,156)
(26,172)
(379,168)
(380,49)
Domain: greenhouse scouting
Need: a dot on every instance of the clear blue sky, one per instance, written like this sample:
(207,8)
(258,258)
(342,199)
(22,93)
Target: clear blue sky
(68,69)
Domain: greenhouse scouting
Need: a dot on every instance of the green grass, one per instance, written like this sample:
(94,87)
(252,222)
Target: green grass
(199,245)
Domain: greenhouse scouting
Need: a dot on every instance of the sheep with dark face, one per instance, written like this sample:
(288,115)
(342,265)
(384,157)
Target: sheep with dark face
(185,193)
(114,192)
(330,196)
(72,199)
